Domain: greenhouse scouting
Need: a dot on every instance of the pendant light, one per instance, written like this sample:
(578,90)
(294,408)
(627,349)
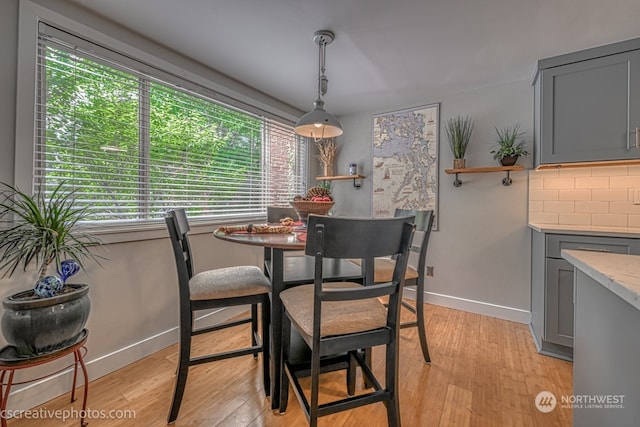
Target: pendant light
(318,124)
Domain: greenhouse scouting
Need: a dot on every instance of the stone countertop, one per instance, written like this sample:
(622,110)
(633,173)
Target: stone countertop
(586,230)
(619,273)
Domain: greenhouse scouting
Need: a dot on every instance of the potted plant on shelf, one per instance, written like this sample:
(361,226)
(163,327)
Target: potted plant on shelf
(458,130)
(40,232)
(510,145)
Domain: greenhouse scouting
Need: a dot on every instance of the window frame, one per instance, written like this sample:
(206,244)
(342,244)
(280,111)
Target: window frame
(126,43)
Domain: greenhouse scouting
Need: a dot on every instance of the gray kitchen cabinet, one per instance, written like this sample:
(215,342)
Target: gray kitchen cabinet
(587,105)
(552,282)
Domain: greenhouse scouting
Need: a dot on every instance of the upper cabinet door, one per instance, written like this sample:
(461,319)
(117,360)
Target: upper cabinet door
(589,110)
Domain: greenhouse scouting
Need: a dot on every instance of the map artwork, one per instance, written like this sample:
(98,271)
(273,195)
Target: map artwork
(405,160)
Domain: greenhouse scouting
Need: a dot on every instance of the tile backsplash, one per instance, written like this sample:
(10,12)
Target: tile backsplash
(596,196)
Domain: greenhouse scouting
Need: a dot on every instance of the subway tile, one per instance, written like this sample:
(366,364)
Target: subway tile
(574,172)
(584,194)
(588,206)
(574,219)
(617,194)
(634,221)
(543,174)
(558,206)
(558,183)
(632,181)
(535,183)
(592,182)
(543,217)
(610,220)
(536,206)
(625,207)
(634,169)
(610,171)
(543,195)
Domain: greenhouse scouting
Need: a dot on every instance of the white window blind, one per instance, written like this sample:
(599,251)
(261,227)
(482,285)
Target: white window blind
(132,142)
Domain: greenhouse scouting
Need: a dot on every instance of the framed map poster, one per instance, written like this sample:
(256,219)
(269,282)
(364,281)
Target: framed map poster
(405,160)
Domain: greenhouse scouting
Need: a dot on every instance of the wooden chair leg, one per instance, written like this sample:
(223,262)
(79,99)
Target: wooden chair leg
(266,344)
(422,332)
(391,381)
(351,375)
(315,389)
(254,327)
(284,380)
(182,371)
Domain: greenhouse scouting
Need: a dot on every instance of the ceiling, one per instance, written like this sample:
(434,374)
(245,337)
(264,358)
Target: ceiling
(386,54)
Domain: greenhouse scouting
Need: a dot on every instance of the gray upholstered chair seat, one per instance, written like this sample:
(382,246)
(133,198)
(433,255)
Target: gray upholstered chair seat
(228,282)
(338,317)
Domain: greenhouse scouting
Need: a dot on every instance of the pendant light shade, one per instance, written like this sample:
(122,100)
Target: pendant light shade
(318,124)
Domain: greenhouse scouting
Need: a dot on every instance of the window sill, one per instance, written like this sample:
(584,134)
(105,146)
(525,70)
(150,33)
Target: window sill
(134,232)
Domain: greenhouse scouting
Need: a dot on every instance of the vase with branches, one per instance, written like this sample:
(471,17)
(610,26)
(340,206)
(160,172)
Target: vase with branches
(458,130)
(327,149)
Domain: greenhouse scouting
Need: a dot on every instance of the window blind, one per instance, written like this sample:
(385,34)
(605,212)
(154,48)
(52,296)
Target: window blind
(131,144)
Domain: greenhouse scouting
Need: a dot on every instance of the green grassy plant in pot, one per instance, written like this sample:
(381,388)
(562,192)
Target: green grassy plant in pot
(509,145)
(458,130)
(41,232)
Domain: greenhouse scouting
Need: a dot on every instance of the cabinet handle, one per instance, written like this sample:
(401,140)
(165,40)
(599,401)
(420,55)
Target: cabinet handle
(583,248)
(637,144)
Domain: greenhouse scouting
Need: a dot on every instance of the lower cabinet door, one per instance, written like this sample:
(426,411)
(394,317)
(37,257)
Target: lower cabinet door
(559,302)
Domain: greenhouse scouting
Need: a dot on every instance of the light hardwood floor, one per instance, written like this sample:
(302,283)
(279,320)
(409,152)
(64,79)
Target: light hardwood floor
(484,372)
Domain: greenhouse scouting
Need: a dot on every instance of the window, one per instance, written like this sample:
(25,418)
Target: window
(132,141)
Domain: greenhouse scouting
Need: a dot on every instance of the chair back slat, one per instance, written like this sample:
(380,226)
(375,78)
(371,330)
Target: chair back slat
(424,223)
(355,237)
(178,227)
(364,238)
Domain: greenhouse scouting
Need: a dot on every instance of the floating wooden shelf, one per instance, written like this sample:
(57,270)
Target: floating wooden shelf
(505,181)
(343,177)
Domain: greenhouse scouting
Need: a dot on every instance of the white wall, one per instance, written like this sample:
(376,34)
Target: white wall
(482,247)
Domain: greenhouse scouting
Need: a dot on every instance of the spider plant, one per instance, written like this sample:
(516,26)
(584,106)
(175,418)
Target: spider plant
(41,230)
(509,142)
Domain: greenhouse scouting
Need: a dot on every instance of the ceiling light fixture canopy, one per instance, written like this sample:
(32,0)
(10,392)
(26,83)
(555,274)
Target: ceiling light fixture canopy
(318,124)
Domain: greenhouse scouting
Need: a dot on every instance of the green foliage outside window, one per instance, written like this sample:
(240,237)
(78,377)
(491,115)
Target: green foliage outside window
(132,147)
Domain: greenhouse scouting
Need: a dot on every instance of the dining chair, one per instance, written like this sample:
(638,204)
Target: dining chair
(299,268)
(336,320)
(218,288)
(414,277)
(276,213)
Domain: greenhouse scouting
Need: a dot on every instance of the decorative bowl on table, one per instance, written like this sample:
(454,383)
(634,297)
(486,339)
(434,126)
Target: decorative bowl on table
(305,207)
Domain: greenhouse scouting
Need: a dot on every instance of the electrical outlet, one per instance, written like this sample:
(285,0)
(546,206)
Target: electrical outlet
(636,196)
(430,270)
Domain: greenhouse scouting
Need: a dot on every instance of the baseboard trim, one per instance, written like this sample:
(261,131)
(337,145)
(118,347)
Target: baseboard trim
(41,391)
(472,306)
